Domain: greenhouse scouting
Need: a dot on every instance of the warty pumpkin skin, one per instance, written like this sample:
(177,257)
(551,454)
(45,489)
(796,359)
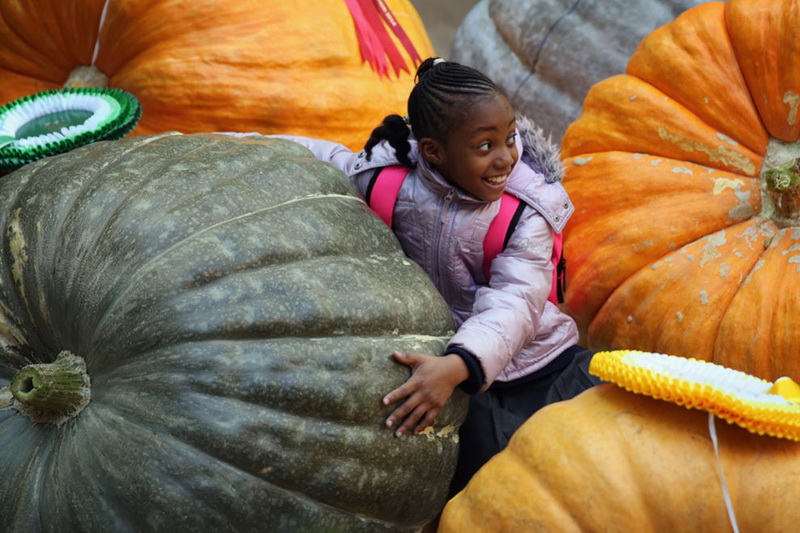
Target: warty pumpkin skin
(610,461)
(546,54)
(213,65)
(236,306)
(678,243)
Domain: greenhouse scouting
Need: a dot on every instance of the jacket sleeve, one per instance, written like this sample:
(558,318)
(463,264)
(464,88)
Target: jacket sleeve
(508,313)
(334,153)
(353,164)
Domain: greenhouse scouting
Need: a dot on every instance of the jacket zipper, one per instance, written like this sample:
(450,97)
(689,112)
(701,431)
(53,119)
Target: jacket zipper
(439,254)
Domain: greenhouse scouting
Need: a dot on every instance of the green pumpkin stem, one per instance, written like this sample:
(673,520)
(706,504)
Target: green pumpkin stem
(785,176)
(52,392)
(783,187)
(84,76)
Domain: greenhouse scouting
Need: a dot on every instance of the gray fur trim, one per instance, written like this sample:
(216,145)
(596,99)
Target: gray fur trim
(538,152)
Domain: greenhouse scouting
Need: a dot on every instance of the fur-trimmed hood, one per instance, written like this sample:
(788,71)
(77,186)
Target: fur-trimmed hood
(540,153)
(536,179)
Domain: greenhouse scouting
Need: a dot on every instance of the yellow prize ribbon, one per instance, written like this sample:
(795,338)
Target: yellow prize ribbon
(755,404)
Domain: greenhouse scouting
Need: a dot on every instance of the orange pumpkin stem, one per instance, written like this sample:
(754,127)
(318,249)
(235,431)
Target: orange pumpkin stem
(84,76)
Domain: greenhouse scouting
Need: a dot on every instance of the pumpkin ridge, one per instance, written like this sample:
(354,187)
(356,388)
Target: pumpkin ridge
(89,183)
(534,62)
(18,72)
(683,327)
(614,109)
(284,358)
(44,58)
(288,482)
(718,94)
(208,228)
(213,462)
(11,338)
(65,215)
(330,321)
(27,490)
(151,264)
(79,268)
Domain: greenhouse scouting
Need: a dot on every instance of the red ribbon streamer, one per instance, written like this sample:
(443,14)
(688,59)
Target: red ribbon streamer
(371,18)
(398,30)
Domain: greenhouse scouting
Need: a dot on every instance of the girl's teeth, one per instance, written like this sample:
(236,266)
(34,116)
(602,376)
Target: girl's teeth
(496,180)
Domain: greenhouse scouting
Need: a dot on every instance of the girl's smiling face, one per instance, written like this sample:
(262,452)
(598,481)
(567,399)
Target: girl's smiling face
(479,152)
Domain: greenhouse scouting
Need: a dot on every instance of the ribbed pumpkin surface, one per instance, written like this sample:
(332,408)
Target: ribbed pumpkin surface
(546,54)
(214,65)
(676,245)
(609,461)
(236,305)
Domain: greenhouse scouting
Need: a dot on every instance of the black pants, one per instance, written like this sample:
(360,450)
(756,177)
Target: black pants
(496,414)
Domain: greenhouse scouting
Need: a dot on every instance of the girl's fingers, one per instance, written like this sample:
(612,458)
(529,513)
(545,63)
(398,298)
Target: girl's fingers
(402,411)
(413,412)
(427,420)
(408,359)
(405,389)
(398,393)
(410,421)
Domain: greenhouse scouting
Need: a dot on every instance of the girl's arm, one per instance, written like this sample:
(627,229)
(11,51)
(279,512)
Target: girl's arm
(354,165)
(334,153)
(508,313)
(507,316)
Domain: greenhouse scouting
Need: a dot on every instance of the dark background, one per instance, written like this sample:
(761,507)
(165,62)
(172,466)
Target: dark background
(442,18)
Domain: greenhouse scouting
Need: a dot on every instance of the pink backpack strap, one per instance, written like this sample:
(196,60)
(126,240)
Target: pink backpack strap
(500,230)
(383,190)
(498,233)
(382,193)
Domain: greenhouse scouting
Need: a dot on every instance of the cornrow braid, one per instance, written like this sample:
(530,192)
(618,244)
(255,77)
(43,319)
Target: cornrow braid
(443,94)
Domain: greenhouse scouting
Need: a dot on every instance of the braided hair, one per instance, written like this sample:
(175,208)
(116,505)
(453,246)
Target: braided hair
(443,93)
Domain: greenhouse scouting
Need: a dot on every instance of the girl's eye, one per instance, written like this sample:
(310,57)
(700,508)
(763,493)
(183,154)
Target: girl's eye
(512,139)
(485,146)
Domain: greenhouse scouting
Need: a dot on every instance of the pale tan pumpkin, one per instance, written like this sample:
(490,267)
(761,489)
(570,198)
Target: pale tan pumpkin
(213,65)
(612,461)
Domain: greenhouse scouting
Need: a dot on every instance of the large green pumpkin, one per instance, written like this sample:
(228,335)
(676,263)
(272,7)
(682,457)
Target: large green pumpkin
(236,306)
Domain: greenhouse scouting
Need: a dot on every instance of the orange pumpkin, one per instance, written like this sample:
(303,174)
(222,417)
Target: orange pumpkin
(680,242)
(611,461)
(214,65)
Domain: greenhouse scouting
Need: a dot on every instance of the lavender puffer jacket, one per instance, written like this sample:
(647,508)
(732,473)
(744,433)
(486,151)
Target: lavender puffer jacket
(507,323)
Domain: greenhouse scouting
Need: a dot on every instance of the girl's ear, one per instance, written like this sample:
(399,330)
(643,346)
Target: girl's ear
(431,149)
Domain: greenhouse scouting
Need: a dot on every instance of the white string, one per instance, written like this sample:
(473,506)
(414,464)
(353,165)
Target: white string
(97,42)
(725,494)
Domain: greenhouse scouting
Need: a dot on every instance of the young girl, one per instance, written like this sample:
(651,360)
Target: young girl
(513,350)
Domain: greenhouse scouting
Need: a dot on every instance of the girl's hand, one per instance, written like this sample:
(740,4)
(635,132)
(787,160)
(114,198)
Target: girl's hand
(432,382)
